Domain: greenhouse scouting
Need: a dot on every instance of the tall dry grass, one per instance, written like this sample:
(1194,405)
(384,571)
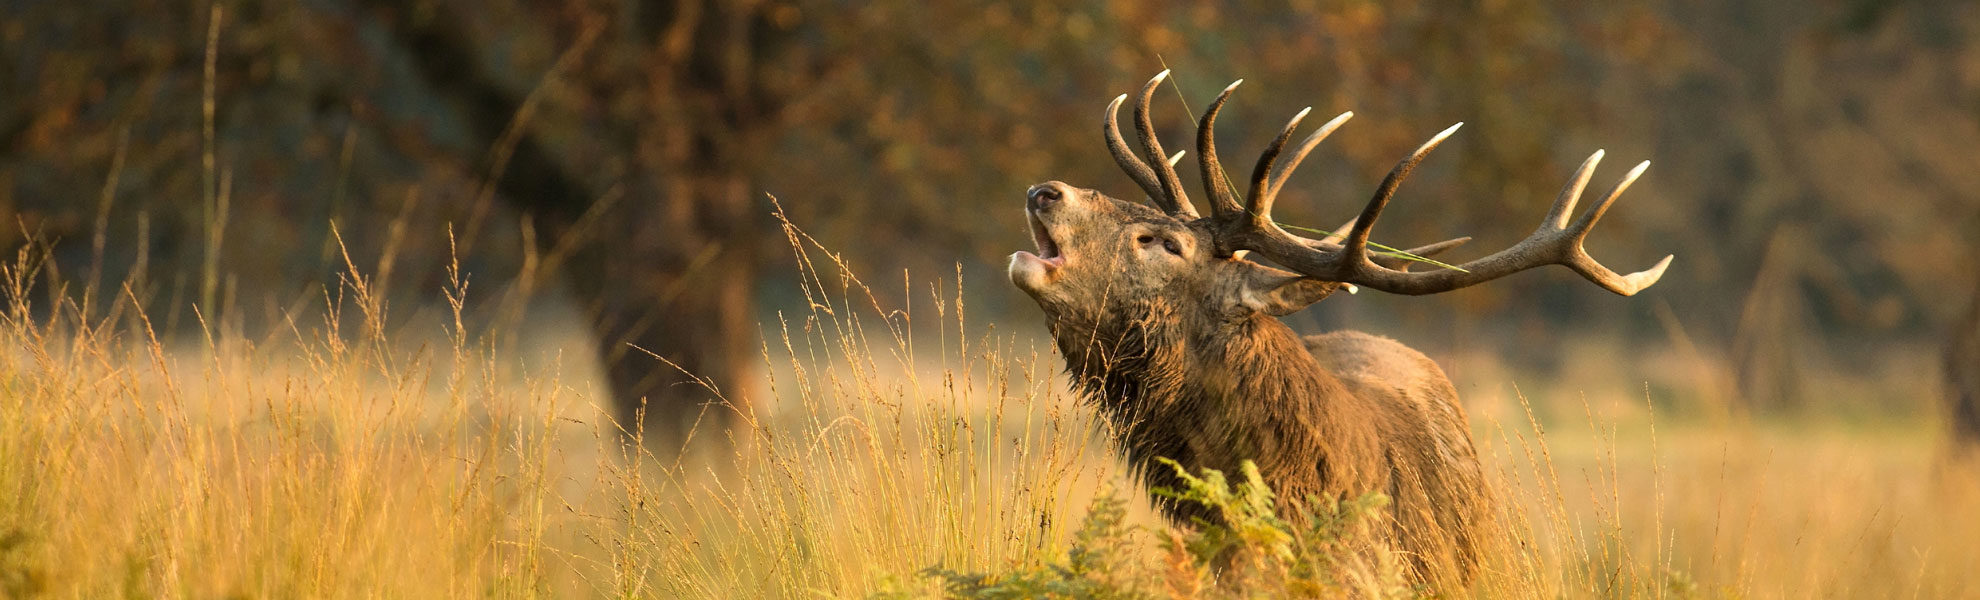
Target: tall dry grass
(351,453)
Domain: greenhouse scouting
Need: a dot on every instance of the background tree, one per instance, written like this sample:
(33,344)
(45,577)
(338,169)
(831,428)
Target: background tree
(684,97)
(1962,374)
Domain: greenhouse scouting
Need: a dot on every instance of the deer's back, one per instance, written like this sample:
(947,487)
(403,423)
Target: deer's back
(1439,494)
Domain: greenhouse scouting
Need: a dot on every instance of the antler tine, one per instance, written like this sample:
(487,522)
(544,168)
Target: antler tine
(1623,285)
(1581,262)
(1173,199)
(1216,185)
(1557,216)
(1307,145)
(1355,248)
(1135,168)
(1399,262)
(1340,233)
(1260,202)
(1587,221)
(1402,263)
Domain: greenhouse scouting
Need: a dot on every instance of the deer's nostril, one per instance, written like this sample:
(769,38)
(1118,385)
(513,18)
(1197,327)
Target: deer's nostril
(1045,195)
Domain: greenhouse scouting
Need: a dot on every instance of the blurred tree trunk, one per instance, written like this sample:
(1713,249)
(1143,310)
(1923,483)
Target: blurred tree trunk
(1770,344)
(1962,373)
(675,277)
(672,278)
(668,272)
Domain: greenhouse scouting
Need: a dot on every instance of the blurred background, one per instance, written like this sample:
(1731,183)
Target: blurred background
(607,167)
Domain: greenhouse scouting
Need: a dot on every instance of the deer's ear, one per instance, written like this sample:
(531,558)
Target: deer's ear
(1280,293)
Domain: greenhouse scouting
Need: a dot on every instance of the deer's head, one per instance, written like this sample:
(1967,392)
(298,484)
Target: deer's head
(1106,256)
(1102,256)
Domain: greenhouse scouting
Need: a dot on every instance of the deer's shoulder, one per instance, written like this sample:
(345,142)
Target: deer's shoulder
(1372,364)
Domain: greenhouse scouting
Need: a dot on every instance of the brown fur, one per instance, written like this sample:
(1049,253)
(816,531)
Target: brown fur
(1184,355)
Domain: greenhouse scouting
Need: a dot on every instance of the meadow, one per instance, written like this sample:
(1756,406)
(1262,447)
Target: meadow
(890,451)
(252,413)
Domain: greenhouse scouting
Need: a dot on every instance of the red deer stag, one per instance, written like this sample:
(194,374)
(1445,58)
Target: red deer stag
(1171,332)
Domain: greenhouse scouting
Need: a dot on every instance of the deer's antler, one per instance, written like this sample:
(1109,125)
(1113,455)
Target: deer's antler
(1161,182)
(1345,257)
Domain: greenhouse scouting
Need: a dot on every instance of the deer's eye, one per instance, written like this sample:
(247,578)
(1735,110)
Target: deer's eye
(1170,245)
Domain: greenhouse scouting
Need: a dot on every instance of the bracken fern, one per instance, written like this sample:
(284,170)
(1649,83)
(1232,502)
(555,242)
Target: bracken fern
(1332,552)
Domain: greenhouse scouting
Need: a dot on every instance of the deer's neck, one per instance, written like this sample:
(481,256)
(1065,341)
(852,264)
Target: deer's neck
(1214,396)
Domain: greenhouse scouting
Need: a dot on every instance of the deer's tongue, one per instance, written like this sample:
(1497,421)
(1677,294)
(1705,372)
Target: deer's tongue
(1050,262)
(1048,248)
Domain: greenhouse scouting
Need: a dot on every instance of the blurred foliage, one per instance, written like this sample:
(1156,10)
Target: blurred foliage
(1812,161)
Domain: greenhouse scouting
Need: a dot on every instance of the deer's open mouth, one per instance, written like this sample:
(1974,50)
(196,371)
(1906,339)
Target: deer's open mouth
(1048,249)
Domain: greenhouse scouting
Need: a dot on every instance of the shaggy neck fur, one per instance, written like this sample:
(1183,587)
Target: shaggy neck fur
(1240,390)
